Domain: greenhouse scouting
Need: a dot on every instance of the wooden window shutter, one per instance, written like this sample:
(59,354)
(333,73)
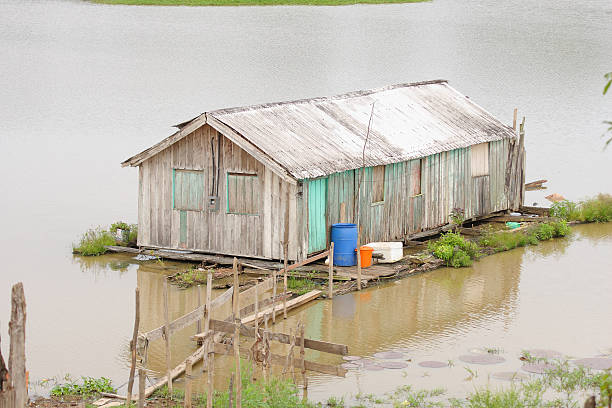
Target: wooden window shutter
(242,193)
(378,184)
(480,159)
(188,190)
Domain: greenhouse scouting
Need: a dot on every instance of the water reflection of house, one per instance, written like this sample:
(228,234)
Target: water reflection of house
(230,181)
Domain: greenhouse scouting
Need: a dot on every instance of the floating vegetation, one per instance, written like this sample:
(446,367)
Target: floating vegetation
(596,209)
(95,240)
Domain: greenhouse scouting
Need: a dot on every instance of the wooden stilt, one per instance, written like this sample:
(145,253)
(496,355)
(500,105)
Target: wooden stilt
(133,346)
(199,322)
(286,251)
(210,369)
(274,297)
(167,337)
(331,271)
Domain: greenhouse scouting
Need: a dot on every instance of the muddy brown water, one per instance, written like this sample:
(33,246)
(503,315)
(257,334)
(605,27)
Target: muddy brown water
(84,86)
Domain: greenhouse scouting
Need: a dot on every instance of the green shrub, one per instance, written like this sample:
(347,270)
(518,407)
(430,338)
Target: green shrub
(561,228)
(90,386)
(598,209)
(93,242)
(566,210)
(454,250)
(544,231)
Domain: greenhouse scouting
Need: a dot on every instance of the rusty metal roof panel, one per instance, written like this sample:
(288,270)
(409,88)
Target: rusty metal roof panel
(317,137)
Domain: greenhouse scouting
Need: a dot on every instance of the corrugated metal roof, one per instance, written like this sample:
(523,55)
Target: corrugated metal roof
(317,137)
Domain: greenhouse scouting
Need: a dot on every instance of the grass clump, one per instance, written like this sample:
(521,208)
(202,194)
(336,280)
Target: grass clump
(455,250)
(596,209)
(506,240)
(93,242)
(250,2)
(88,387)
(300,286)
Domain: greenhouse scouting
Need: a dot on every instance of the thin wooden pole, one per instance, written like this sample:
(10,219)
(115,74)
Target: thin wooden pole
(286,251)
(358,264)
(209,279)
(237,335)
(133,348)
(167,337)
(256,308)
(210,369)
(142,379)
(302,356)
(514,118)
(274,296)
(16,361)
(199,322)
(231,392)
(188,375)
(331,271)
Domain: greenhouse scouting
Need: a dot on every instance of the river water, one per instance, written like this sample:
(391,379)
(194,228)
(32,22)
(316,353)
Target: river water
(84,86)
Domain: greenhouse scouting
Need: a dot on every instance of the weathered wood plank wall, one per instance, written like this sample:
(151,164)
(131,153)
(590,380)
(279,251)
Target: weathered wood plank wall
(218,231)
(420,194)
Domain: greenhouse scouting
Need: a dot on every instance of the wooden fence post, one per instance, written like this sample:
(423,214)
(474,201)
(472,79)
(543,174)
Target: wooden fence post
(16,362)
(133,344)
(274,297)
(167,337)
(188,375)
(236,313)
(330,286)
(142,379)
(302,356)
(210,342)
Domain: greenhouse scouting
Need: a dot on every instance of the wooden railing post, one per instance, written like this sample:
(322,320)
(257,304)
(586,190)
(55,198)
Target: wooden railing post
(133,344)
(16,362)
(167,337)
(199,322)
(236,313)
(142,380)
(303,355)
(286,251)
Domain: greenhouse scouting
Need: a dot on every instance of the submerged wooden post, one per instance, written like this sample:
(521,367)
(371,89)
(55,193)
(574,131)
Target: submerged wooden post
(167,337)
(16,361)
(286,250)
(237,322)
(188,375)
(133,348)
(142,378)
(302,356)
(331,271)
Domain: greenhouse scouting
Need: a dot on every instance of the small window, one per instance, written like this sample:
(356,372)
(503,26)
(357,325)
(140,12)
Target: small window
(242,193)
(378,184)
(416,167)
(188,190)
(480,160)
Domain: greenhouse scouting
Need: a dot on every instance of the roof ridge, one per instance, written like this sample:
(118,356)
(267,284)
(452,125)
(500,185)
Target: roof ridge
(346,95)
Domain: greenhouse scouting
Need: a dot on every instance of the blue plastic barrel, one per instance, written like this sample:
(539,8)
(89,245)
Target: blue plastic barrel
(344,237)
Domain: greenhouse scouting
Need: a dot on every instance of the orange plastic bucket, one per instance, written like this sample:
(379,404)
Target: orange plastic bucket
(366,256)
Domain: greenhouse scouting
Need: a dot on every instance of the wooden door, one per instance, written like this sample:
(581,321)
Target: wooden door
(317,211)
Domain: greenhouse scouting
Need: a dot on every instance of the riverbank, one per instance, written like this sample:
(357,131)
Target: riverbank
(252,2)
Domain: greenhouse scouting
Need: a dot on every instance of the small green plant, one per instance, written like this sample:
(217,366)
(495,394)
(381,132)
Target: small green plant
(457,217)
(596,209)
(566,210)
(335,402)
(455,250)
(300,286)
(89,386)
(93,242)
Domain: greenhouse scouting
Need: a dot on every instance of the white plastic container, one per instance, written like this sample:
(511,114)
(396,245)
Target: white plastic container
(391,251)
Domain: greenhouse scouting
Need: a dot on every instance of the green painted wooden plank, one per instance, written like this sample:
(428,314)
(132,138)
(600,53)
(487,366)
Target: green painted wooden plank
(317,205)
(183,228)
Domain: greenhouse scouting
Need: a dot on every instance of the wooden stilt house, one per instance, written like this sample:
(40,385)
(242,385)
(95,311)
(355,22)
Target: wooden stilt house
(241,181)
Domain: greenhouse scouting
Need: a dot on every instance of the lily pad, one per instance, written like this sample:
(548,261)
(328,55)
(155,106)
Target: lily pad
(596,363)
(433,364)
(482,358)
(393,365)
(538,368)
(373,367)
(389,355)
(509,376)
